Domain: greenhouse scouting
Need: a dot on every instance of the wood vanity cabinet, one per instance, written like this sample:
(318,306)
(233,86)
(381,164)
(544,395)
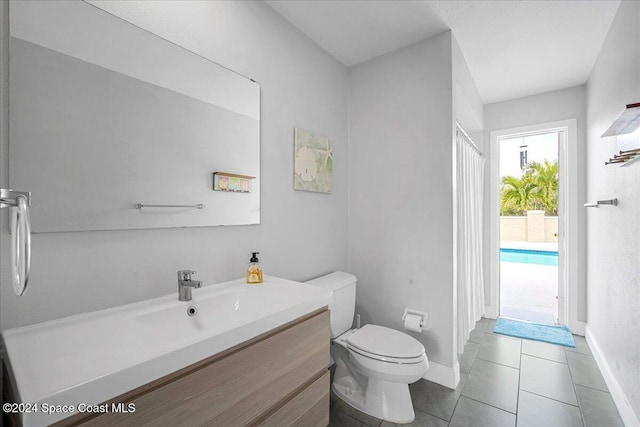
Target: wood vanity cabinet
(279,378)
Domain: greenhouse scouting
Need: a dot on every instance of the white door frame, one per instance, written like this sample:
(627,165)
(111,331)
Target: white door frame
(567,209)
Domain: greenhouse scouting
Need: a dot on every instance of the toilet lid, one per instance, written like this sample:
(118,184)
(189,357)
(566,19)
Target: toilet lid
(385,342)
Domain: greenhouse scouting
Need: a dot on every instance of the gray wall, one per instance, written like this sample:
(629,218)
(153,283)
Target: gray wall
(301,235)
(400,179)
(613,241)
(467,102)
(531,110)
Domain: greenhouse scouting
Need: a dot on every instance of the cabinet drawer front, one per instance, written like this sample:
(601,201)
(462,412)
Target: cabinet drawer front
(238,388)
(309,408)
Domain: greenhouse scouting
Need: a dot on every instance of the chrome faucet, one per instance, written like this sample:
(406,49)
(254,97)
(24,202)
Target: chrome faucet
(185,284)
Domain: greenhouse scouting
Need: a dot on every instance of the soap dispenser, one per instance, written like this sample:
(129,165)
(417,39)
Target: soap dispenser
(254,271)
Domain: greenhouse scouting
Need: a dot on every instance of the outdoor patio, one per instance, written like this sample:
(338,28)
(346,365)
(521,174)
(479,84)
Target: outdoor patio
(528,291)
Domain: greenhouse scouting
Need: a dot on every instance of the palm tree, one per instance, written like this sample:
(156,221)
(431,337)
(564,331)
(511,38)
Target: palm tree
(545,177)
(517,194)
(536,189)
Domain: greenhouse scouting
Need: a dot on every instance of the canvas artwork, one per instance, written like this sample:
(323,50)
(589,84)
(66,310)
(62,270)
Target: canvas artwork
(313,162)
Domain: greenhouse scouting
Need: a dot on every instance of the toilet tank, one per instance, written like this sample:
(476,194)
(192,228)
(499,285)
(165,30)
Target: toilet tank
(343,302)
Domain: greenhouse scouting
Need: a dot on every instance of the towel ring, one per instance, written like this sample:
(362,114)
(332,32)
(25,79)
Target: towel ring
(19,202)
(20,245)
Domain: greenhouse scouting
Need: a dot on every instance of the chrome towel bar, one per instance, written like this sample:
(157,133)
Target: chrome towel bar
(142,206)
(612,202)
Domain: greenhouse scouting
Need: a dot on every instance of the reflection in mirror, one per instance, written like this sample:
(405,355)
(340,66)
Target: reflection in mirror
(105,116)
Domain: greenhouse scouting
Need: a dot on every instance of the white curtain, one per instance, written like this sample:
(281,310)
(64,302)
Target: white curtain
(470,185)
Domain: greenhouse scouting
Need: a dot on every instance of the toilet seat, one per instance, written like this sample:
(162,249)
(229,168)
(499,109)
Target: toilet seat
(387,359)
(386,345)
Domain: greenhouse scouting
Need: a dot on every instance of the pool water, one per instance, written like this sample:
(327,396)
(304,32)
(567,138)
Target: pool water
(527,256)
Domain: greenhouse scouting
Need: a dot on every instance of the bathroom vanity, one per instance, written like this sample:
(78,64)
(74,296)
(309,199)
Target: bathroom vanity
(251,355)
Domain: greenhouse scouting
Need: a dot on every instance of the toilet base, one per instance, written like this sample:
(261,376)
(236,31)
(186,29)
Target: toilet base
(382,399)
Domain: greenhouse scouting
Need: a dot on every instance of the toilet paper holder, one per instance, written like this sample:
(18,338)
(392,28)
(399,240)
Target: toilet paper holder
(424,315)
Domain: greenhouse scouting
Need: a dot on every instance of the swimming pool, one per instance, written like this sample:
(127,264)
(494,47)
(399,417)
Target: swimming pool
(527,256)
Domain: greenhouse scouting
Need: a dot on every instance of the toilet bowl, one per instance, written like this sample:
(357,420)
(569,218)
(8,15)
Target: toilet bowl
(374,364)
(374,376)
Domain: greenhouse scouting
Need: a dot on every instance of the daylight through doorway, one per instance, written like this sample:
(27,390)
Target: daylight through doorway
(528,198)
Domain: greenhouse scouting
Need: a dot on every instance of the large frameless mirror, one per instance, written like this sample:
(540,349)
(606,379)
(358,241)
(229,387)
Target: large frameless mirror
(105,117)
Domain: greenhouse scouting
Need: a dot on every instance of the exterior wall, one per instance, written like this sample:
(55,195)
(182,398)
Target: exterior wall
(535,226)
(551,229)
(518,229)
(514,228)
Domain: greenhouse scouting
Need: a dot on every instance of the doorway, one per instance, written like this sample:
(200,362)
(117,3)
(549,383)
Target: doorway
(567,243)
(528,197)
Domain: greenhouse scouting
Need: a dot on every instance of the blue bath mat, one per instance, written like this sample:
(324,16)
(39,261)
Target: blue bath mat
(560,335)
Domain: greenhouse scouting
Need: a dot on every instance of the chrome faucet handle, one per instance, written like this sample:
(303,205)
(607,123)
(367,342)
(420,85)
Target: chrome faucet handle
(185,274)
(185,284)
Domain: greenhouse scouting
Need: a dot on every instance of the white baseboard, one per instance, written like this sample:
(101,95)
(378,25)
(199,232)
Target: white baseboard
(578,328)
(628,415)
(490,312)
(443,375)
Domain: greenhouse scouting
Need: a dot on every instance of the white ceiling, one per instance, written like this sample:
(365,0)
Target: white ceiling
(513,48)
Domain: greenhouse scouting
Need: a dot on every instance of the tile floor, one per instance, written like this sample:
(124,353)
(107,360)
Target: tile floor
(508,382)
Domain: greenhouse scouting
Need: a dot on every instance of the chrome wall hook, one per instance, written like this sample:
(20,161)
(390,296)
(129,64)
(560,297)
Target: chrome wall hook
(612,202)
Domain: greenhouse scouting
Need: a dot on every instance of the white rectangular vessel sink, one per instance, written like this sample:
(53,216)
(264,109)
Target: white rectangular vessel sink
(93,357)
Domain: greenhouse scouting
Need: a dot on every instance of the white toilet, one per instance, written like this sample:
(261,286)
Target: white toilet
(374,364)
